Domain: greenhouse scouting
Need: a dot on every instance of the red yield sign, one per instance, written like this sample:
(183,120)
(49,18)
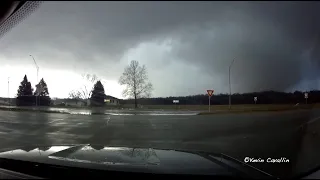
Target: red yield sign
(210,92)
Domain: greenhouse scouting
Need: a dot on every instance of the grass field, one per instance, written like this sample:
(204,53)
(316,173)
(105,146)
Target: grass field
(242,107)
(238,107)
(218,109)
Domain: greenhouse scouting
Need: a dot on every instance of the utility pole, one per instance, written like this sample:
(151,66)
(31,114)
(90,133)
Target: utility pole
(37,75)
(230,84)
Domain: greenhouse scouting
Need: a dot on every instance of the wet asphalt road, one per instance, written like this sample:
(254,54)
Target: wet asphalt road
(257,135)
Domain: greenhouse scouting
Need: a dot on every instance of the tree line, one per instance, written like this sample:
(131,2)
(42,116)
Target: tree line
(263,97)
(26,95)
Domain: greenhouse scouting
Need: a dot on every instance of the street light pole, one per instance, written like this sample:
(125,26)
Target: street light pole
(230,84)
(37,75)
(8,92)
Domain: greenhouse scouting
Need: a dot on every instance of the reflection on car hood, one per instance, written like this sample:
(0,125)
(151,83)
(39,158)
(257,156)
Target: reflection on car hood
(128,159)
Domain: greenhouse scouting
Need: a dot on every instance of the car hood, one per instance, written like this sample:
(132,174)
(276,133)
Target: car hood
(129,159)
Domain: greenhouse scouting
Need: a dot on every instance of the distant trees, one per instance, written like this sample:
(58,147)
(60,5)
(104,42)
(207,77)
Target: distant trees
(136,80)
(264,97)
(26,97)
(97,95)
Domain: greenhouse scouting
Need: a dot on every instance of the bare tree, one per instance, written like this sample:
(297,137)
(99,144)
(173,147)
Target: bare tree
(136,80)
(90,77)
(85,91)
(81,93)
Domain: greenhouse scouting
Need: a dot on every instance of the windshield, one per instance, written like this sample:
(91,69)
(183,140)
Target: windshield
(239,78)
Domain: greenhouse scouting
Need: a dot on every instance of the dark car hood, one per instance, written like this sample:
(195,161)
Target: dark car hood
(147,160)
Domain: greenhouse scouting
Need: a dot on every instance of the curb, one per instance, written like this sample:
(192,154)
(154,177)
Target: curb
(28,110)
(252,111)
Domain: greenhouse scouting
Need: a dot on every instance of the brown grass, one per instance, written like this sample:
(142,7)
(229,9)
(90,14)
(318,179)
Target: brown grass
(244,107)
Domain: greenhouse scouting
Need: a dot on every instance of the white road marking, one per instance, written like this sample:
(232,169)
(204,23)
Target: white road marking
(308,122)
(115,122)
(177,118)
(313,120)
(54,121)
(107,122)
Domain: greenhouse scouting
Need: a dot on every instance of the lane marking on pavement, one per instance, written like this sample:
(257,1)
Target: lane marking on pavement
(308,122)
(178,118)
(107,123)
(313,120)
(54,121)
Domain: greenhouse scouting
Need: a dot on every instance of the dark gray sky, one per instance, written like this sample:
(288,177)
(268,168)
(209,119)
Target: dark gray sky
(186,46)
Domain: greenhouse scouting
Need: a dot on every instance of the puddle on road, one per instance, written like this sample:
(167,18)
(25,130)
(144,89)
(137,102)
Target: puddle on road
(126,112)
(149,114)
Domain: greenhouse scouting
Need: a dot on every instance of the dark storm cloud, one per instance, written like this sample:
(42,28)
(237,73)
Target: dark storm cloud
(269,40)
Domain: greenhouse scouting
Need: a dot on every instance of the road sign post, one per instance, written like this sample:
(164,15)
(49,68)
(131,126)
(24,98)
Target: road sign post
(176,102)
(209,102)
(210,92)
(306,97)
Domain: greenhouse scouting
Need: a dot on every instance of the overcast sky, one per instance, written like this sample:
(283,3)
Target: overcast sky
(186,46)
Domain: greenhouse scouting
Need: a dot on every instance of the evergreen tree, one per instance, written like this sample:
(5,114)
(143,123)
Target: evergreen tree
(25,96)
(42,94)
(97,95)
(42,88)
(25,89)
